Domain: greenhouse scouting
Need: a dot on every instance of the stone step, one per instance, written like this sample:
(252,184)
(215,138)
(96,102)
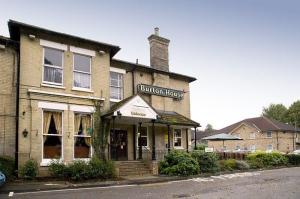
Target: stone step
(131,168)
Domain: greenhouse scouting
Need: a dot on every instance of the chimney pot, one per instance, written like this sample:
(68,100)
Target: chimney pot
(156,31)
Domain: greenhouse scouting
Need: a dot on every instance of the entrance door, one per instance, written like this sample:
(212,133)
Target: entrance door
(118,145)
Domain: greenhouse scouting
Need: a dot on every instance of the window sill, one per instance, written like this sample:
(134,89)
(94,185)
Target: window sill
(82,90)
(53,86)
(47,162)
(82,159)
(114,100)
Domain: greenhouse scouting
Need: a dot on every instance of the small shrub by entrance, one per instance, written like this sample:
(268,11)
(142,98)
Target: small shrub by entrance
(208,162)
(29,170)
(228,165)
(82,170)
(179,163)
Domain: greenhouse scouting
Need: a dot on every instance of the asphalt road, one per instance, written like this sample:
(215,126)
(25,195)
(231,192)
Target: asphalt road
(279,183)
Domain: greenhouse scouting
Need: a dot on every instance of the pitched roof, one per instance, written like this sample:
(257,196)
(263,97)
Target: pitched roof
(262,123)
(15,26)
(134,66)
(174,118)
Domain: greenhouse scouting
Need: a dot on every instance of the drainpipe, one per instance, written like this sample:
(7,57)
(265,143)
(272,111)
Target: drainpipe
(17,111)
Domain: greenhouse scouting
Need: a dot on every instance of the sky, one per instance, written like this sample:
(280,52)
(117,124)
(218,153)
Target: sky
(244,54)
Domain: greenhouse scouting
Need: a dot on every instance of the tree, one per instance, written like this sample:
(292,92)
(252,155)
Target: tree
(209,128)
(101,132)
(293,114)
(276,111)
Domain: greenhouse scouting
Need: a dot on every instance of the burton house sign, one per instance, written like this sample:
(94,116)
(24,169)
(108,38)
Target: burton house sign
(155,90)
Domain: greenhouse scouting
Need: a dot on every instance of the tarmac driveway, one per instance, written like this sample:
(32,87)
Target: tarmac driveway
(278,183)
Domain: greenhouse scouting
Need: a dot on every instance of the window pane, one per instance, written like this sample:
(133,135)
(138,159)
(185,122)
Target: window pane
(82,80)
(82,147)
(52,74)
(177,137)
(116,93)
(82,63)
(53,57)
(116,79)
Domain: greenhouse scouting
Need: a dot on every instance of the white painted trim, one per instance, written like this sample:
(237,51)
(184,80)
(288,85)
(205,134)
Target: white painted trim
(137,137)
(117,70)
(82,51)
(181,137)
(52,86)
(52,44)
(82,89)
(114,100)
(65,94)
(82,109)
(53,106)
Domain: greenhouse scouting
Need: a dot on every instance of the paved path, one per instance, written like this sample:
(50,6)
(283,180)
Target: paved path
(279,183)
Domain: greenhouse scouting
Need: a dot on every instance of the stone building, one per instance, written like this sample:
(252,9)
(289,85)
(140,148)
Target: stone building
(62,77)
(259,133)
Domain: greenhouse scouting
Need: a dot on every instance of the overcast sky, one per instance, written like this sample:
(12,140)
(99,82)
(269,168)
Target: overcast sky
(245,54)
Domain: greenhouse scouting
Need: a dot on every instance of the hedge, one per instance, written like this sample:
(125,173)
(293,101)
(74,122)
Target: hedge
(208,162)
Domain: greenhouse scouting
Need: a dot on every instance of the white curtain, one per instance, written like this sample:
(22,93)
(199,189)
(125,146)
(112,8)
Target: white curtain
(82,80)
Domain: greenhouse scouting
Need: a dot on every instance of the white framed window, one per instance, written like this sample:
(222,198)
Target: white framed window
(82,135)
(116,86)
(252,135)
(270,147)
(237,148)
(269,134)
(252,148)
(52,136)
(53,66)
(82,71)
(143,136)
(177,138)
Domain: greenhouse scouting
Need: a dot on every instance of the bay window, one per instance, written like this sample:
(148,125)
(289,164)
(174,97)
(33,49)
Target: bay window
(53,66)
(82,135)
(52,135)
(82,71)
(116,86)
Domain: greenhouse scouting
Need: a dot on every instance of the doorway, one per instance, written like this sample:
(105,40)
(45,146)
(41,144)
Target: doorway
(118,145)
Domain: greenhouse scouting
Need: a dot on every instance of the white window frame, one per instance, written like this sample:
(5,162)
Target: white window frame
(77,71)
(137,140)
(91,147)
(53,66)
(268,133)
(252,135)
(237,147)
(122,88)
(47,161)
(177,147)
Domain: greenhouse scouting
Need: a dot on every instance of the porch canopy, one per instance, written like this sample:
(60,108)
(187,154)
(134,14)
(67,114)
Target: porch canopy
(135,110)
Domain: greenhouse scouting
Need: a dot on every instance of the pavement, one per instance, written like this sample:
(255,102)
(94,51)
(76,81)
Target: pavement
(277,183)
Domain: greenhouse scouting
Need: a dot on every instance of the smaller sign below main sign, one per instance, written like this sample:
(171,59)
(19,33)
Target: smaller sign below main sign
(209,150)
(155,90)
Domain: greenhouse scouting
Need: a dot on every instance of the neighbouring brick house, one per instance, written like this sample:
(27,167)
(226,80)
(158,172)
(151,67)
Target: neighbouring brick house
(52,81)
(260,133)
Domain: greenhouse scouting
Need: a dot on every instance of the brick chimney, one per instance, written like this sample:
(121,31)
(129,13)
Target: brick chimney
(159,53)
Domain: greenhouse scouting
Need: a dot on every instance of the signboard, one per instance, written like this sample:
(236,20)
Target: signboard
(209,150)
(155,90)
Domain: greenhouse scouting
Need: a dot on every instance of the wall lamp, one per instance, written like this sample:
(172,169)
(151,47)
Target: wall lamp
(25,133)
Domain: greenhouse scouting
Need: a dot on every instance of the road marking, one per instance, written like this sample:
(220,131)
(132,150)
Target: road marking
(75,189)
(11,194)
(226,176)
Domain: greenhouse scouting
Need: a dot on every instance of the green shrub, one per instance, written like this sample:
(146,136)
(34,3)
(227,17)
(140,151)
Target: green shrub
(7,165)
(208,162)
(262,159)
(228,165)
(58,169)
(101,169)
(29,170)
(179,163)
(293,159)
(200,147)
(242,165)
(78,170)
